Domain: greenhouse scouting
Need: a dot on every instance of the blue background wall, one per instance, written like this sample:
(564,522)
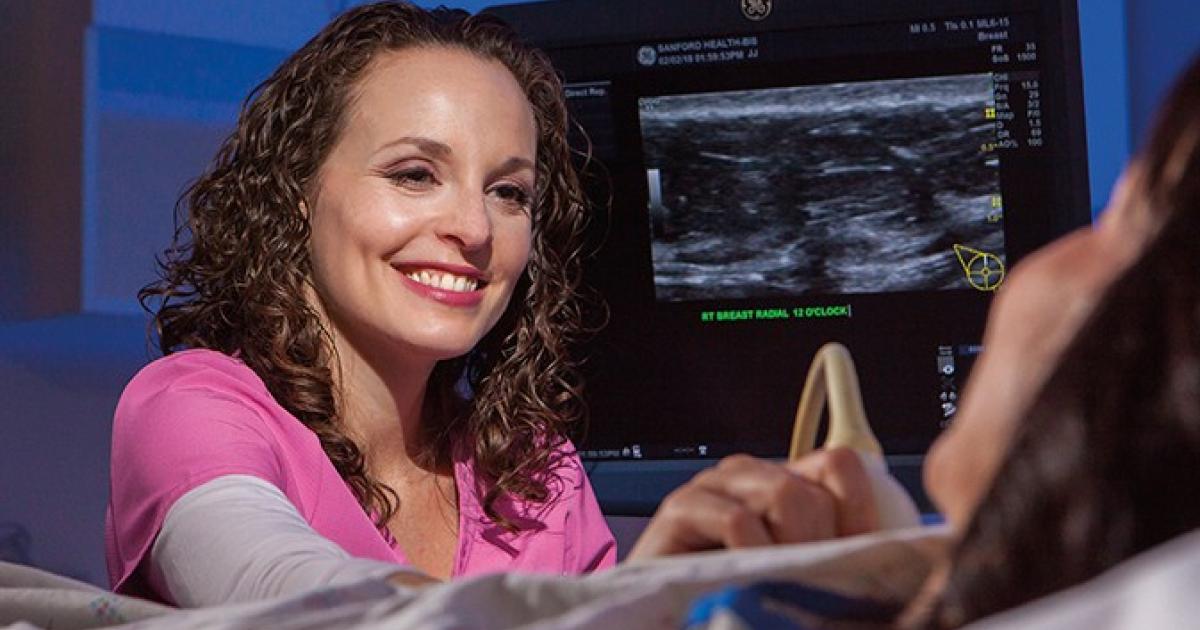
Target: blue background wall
(120,102)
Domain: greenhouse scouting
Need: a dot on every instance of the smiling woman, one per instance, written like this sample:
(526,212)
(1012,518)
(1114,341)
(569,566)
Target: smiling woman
(428,189)
(366,317)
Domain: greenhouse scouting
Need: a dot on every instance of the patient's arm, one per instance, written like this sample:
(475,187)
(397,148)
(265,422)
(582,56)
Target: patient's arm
(237,538)
(748,502)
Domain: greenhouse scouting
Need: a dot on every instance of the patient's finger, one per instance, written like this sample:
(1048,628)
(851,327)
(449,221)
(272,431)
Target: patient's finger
(794,508)
(841,472)
(695,518)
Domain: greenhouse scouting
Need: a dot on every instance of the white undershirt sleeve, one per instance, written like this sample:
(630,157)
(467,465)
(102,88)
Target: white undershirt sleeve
(238,538)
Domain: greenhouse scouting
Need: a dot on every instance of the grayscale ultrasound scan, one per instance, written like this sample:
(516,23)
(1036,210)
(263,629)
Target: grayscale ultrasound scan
(860,187)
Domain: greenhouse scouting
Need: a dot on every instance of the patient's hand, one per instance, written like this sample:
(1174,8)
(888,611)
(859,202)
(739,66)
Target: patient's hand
(749,502)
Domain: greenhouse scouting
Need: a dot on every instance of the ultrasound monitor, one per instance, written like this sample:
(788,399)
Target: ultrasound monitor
(774,175)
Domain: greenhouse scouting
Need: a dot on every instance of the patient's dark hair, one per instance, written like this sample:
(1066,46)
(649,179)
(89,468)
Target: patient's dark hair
(1104,466)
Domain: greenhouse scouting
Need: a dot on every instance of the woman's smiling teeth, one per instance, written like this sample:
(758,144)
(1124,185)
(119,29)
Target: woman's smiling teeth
(444,281)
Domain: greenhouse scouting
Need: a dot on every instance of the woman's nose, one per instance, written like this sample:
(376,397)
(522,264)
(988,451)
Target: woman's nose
(466,221)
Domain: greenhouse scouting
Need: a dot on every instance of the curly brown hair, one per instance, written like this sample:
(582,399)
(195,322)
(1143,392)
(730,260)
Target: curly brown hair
(235,278)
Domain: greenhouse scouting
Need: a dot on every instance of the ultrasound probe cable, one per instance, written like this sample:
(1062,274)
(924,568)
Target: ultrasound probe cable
(832,379)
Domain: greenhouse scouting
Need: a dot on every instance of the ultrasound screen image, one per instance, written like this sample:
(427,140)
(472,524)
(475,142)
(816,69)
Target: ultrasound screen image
(861,187)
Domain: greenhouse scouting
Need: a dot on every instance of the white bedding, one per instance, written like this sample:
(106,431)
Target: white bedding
(1155,590)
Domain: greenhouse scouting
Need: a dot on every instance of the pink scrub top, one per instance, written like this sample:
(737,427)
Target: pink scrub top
(196,415)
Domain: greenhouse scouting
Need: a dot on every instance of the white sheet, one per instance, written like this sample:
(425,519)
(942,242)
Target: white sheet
(1154,590)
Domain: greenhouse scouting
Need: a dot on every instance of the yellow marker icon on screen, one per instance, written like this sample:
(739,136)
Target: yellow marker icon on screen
(984,271)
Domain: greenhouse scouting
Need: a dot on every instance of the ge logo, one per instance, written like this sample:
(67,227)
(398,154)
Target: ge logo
(756,9)
(647,56)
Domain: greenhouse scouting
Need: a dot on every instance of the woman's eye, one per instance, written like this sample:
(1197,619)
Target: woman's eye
(513,195)
(413,178)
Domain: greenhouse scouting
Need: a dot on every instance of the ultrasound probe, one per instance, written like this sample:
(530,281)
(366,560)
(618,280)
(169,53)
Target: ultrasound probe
(833,379)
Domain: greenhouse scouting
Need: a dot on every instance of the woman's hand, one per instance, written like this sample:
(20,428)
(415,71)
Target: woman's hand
(749,502)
